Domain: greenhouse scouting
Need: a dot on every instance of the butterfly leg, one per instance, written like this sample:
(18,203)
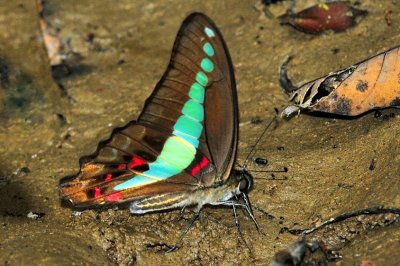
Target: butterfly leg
(237,222)
(236,218)
(245,206)
(183,234)
(238,227)
(181,213)
(250,210)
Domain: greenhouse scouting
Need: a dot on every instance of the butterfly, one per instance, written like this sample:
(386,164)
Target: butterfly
(181,150)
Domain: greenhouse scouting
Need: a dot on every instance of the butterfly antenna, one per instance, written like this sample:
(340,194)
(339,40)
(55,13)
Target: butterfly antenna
(258,141)
(284,170)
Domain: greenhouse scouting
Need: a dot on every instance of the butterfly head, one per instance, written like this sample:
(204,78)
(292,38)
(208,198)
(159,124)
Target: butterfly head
(245,181)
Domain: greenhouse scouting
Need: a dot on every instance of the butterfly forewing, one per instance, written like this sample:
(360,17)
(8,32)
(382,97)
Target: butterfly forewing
(199,40)
(186,136)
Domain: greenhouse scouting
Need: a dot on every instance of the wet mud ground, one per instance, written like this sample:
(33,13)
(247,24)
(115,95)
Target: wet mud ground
(44,130)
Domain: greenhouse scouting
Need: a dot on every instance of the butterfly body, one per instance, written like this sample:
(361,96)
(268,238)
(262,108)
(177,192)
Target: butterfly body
(237,183)
(181,150)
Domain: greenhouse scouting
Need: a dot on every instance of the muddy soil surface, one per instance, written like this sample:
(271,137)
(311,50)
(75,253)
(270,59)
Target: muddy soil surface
(124,47)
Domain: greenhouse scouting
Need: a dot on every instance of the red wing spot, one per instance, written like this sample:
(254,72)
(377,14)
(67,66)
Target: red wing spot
(114,197)
(198,167)
(97,192)
(195,170)
(109,176)
(136,161)
(204,162)
(121,166)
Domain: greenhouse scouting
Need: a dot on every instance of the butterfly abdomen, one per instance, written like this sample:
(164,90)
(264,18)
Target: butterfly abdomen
(160,202)
(199,197)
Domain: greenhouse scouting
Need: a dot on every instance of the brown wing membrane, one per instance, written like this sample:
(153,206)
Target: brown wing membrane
(131,149)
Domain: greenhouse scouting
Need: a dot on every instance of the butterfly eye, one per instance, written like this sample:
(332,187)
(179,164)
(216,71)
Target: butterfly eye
(243,186)
(246,182)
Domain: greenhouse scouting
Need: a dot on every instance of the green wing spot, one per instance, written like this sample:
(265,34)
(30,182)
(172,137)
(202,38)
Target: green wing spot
(178,152)
(207,65)
(188,126)
(137,180)
(193,110)
(210,33)
(196,92)
(161,168)
(192,140)
(208,49)
(202,79)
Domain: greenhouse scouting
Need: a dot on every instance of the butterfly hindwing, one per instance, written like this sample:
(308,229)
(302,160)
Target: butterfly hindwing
(128,151)
(186,136)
